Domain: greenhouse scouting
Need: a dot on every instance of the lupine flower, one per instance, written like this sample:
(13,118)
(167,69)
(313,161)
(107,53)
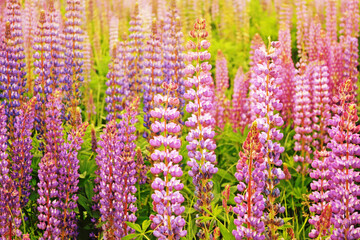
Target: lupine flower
(222,84)
(322,174)
(345,148)
(21,151)
(331,20)
(167,199)
(152,74)
(136,42)
(240,105)
(10,211)
(68,179)
(302,114)
(13,75)
(117,175)
(201,144)
(250,204)
(73,77)
(267,95)
(302,27)
(349,22)
(113,32)
(350,59)
(141,168)
(320,104)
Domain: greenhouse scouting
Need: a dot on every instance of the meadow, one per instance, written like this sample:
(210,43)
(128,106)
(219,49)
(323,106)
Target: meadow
(179,119)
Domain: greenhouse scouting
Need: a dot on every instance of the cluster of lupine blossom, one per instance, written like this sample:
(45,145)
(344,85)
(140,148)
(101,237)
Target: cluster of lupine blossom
(159,88)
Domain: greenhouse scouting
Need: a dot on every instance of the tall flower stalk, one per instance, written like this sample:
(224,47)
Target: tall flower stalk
(267,95)
(201,144)
(250,204)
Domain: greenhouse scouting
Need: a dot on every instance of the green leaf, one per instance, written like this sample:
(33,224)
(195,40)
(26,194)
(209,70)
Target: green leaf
(134,226)
(84,202)
(224,174)
(225,232)
(83,175)
(130,236)
(145,225)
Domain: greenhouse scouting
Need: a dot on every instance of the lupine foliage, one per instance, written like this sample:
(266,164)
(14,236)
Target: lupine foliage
(210,119)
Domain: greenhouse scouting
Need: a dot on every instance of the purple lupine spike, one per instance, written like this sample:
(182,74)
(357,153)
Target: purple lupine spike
(21,151)
(240,104)
(68,179)
(126,170)
(250,204)
(113,90)
(12,52)
(302,114)
(152,75)
(345,149)
(136,42)
(48,202)
(322,173)
(201,144)
(268,79)
(10,210)
(167,199)
(42,81)
(350,59)
(52,25)
(29,26)
(222,84)
(320,104)
(73,76)
(117,174)
(256,43)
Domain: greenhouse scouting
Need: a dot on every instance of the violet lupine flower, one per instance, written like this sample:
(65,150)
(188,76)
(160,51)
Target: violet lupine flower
(48,201)
(73,77)
(10,211)
(320,104)
(267,95)
(240,103)
(21,151)
(167,199)
(201,144)
(113,98)
(302,114)
(117,175)
(256,43)
(222,84)
(136,42)
(322,174)
(68,179)
(43,65)
(173,64)
(250,204)
(345,149)
(152,74)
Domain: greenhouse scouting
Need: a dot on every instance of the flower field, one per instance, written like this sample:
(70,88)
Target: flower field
(179,119)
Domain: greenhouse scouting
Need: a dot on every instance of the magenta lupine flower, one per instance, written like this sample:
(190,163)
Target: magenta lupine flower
(201,144)
(313,39)
(21,150)
(152,74)
(222,84)
(322,173)
(48,201)
(73,77)
(268,79)
(250,204)
(240,104)
(331,21)
(344,145)
(167,199)
(349,22)
(302,114)
(320,104)
(68,180)
(350,59)
(302,27)
(136,42)
(10,211)
(117,174)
